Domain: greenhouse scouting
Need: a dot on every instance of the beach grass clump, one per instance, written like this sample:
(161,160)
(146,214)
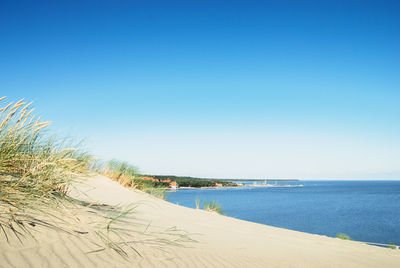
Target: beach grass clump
(213,206)
(197,202)
(119,168)
(392,246)
(35,170)
(343,236)
(161,193)
(127,175)
(120,171)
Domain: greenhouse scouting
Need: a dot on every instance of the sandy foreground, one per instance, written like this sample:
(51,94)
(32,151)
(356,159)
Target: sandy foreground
(220,241)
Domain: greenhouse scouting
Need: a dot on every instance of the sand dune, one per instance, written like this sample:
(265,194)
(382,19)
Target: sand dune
(221,241)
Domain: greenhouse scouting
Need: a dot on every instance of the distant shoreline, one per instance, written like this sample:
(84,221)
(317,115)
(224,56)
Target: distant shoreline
(241,186)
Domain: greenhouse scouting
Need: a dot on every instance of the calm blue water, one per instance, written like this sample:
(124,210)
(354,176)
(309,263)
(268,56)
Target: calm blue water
(365,210)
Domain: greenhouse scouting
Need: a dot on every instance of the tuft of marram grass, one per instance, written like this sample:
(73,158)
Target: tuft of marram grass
(35,172)
(197,202)
(213,206)
(127,175)
(122,172)
(343,236)
(160,193)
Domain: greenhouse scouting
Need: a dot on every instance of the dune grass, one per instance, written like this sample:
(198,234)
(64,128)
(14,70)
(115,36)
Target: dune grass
(197,202)
(161,193)
(36,171)
(343,236)
(122,231)
(213,206)
(120,171)
(127,175)
(392,246)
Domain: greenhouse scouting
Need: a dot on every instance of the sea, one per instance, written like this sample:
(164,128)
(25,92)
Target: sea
(366,211)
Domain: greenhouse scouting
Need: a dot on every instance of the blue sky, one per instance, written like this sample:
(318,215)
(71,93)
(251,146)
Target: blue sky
(245,89)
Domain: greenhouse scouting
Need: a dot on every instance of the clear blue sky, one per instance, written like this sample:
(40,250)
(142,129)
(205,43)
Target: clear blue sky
(247,89)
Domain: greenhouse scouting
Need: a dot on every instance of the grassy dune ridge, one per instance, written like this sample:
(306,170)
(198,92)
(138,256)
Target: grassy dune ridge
(128,176)
(36,172)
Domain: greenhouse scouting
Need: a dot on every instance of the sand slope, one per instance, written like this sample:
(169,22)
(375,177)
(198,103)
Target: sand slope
(221,241)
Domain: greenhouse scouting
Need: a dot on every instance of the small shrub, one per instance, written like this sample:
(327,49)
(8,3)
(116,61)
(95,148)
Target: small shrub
(213,207)
(392,246)
(343,236)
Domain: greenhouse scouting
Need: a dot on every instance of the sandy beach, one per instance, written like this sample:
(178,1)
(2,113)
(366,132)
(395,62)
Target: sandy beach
(220,241)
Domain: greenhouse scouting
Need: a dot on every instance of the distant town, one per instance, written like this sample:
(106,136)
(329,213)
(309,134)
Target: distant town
(174,182)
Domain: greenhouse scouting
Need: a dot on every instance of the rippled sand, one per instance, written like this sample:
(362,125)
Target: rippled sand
(221,241)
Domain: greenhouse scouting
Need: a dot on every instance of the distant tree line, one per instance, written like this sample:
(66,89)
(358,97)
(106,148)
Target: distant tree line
(185,181)
(143,184)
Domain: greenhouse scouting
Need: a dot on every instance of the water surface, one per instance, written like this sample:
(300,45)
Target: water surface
(365,210)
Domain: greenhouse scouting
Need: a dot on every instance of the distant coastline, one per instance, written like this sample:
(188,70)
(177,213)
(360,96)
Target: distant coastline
(187,182)
(215,179)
